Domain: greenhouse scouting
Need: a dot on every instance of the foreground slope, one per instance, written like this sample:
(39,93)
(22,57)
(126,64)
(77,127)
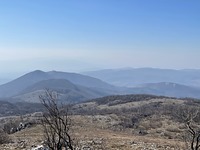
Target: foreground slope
(125,122)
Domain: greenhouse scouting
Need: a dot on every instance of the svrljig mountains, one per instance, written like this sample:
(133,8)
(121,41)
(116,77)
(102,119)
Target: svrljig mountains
(124,109)
(74,87)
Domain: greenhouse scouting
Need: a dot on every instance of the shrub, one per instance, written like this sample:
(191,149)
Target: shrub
(4,138)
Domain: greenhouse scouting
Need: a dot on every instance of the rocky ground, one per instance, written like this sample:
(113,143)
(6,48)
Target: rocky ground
(133,122)
(91,134)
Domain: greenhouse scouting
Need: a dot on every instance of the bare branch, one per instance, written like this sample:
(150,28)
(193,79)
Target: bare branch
(56,123)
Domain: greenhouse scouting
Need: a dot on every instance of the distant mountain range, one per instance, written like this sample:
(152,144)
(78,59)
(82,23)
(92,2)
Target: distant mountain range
(131,77)
(166,89)
(73,87)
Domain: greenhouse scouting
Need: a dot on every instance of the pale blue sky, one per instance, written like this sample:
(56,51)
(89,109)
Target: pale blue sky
(79,35)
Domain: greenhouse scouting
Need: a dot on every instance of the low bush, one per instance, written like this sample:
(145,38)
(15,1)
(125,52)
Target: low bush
(4,138)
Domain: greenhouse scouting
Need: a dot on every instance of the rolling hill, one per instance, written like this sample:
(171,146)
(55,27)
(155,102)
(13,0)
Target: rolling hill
(166,89)
(66,90)
(20,84)
(18,108)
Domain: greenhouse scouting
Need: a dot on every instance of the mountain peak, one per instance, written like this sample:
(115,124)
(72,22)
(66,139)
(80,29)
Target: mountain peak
(37,72)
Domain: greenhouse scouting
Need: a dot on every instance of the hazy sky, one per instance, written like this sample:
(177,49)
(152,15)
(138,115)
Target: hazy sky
(79,35)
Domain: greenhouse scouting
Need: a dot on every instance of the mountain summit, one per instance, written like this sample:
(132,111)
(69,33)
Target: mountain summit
(20,84)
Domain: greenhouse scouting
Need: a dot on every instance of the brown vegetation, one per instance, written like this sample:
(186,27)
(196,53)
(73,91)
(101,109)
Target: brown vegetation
(129,123)
(4,138)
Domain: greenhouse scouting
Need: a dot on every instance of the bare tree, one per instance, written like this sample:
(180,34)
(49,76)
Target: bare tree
(190,116)
(56,123)
(195,136)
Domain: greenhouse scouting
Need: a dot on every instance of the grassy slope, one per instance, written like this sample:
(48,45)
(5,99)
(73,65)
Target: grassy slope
(107,122)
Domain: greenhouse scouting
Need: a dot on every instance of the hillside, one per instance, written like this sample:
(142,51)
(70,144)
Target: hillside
(18,108)
(166,89)
(80,79)
(125,122)
(13,87)
(66,90)
(145,115)
(18,85)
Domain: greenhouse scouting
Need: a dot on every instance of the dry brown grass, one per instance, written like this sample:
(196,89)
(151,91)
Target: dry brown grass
(104,131)
(92,133)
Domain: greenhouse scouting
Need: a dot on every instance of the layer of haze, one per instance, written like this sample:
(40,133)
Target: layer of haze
(85,35)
